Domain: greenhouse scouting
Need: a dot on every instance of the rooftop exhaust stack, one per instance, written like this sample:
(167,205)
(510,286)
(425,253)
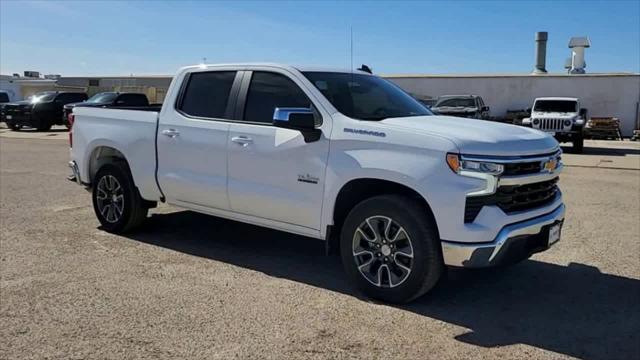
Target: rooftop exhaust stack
(577,46)
(541,53)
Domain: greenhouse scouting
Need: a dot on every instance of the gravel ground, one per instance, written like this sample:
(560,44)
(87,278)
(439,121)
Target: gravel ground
(192,286)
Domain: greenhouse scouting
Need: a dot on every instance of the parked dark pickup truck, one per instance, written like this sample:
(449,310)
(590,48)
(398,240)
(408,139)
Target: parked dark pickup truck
(41,111)
(468,106)
(4,100)
(107,99)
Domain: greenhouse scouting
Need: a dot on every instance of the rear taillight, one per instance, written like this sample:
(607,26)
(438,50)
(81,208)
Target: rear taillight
(71,119)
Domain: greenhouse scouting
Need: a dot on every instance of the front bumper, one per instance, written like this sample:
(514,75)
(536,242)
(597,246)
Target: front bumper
(513,243)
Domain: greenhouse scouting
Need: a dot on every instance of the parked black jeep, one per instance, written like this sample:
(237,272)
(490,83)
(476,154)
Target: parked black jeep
(40,111)
(107,99)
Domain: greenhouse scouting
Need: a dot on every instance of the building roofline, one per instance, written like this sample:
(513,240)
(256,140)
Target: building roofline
(506,75)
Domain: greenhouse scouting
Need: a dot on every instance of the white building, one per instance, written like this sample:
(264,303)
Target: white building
(604,95)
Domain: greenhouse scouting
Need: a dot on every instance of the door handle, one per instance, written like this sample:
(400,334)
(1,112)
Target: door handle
(171,133)
(242,140)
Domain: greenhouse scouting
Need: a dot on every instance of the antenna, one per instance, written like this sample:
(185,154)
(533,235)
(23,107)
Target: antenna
(351,28)
(204,60)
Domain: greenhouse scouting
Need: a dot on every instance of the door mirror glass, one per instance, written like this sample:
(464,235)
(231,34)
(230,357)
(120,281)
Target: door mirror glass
(485,108)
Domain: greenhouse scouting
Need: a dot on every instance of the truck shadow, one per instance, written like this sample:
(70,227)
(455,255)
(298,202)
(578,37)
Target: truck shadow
(602,151)
(574,310)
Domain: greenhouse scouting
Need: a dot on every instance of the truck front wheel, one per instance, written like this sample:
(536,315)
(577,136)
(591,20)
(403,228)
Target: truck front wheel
(390,249)
(116,200)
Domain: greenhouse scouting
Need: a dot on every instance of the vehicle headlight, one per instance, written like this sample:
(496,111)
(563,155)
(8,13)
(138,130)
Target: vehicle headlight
(536,122)
(458,165)
(567,122)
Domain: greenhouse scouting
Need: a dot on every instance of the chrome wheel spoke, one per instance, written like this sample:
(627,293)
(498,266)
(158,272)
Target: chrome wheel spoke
(102,195)
(110,199)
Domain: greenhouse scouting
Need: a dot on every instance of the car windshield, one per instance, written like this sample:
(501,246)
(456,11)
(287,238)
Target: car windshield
(102,98)
(456,102)
(365,97)
(43,97)
(555,106)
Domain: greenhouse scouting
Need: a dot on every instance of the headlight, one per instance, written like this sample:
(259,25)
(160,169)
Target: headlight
(536,122)
(457,165)
(567,123)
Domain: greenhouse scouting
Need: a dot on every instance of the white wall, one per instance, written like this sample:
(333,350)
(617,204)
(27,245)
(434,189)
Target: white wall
(11,88)
(614,95)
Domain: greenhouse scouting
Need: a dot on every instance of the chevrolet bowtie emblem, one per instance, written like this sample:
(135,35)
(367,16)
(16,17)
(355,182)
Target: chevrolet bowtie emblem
(550,165)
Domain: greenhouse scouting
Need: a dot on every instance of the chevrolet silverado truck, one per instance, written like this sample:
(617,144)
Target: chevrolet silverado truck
(107,99)
(342,156)
(561,117)
(41,111)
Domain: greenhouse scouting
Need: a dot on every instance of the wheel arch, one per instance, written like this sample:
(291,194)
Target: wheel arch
(355,191)
(100,155)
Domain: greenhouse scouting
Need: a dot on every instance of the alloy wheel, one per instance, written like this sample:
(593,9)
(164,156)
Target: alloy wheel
(382,251)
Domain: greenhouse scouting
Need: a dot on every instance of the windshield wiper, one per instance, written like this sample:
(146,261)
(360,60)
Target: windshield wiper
(373,118)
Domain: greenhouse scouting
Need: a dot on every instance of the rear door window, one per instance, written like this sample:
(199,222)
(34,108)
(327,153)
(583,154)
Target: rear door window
(267,91)
(206,94)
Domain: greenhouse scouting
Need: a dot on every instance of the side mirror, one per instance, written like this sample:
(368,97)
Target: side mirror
(301,119)
(484,109)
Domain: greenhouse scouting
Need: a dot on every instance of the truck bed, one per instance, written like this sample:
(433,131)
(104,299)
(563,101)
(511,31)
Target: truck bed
(131,132)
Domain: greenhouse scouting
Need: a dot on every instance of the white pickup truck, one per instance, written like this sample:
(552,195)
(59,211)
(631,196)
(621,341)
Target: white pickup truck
(342,156)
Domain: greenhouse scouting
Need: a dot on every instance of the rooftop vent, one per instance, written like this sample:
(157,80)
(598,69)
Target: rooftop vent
(577,46)
(541,53)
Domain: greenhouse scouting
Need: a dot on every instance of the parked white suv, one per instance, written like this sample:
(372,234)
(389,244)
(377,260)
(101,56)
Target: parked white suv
(562,117)
(345,157)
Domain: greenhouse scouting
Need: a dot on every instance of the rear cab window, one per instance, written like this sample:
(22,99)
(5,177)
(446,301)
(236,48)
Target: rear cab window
(132,100)
(206,94)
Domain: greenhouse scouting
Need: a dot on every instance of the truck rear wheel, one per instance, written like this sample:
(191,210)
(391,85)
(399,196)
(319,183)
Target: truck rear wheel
(390,248)
(116,200)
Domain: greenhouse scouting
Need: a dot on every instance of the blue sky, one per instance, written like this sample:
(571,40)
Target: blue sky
(157,37)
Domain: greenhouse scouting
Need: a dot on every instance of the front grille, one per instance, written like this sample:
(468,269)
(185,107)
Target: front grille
(551,124)
(513,198)
(522,168)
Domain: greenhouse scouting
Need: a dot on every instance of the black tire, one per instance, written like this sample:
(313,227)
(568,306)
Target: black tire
(43,125)
(578,144)
(14,126)
(134,211)
(427,264)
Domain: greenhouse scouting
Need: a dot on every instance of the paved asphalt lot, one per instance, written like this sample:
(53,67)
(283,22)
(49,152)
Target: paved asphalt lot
(191,286)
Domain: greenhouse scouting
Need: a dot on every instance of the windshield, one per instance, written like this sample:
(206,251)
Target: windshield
(456,102)
(43,97)
(365,97)
(555,106)
(102,98)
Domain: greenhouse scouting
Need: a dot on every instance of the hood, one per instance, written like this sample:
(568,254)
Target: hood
(554,115)
(83,104)
(480,137)
(19,104)
(455,109)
